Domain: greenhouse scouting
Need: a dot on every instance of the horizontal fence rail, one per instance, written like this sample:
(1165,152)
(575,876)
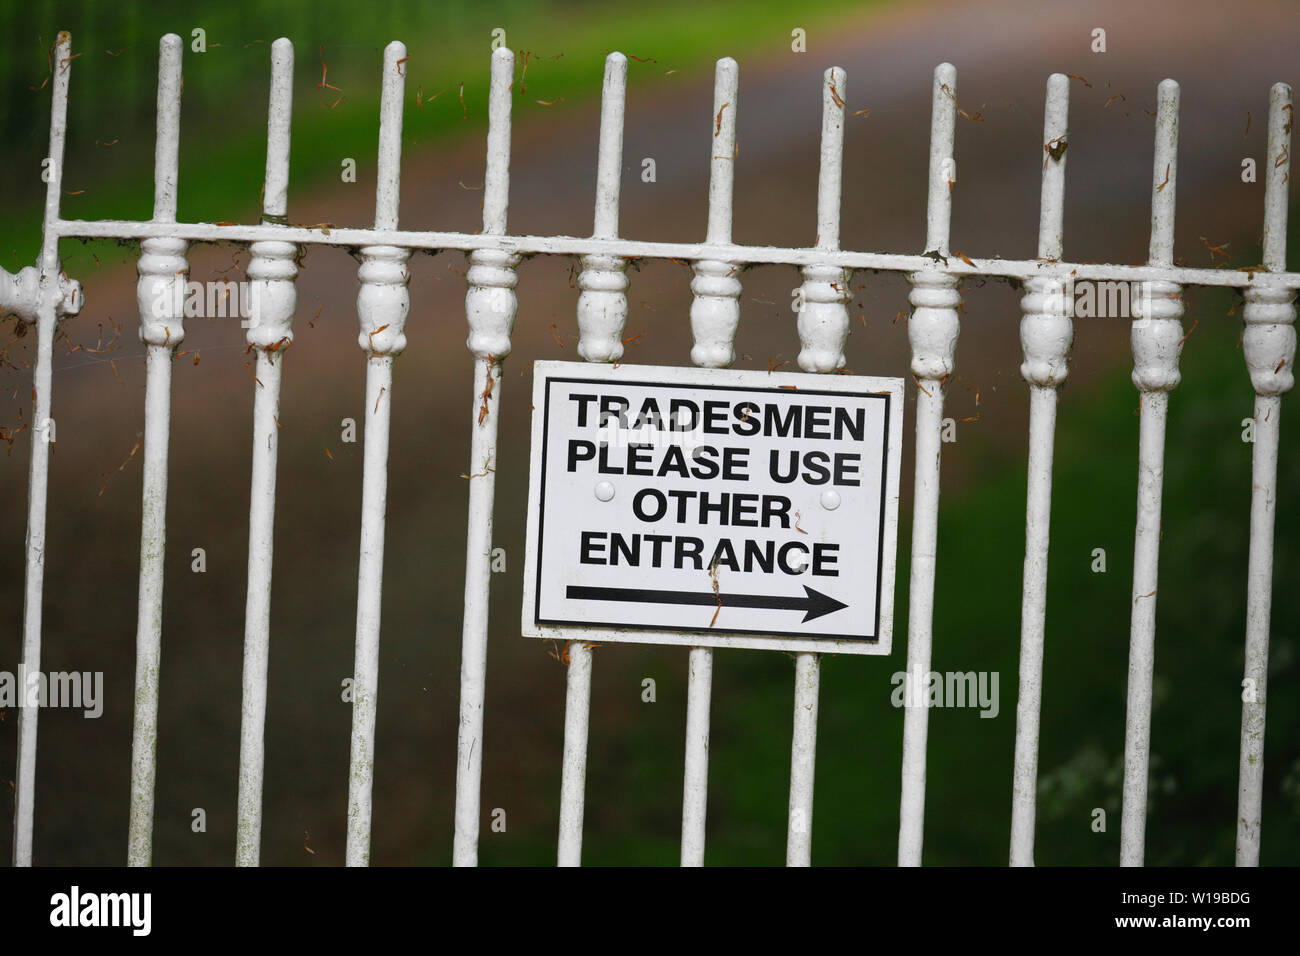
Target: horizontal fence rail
(1021,269)
(42,295)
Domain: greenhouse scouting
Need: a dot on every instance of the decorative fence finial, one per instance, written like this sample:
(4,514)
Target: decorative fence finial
(602,303)
(715,307)
(824,295)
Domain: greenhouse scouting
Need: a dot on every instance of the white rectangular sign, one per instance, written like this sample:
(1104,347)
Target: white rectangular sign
(712,507)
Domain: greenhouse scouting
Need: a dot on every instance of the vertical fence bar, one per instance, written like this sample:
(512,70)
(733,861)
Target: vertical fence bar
(602,314)
(715,303)
(1269,346)
(803,760)
(695,777)
(47,316)
(932,331)
(715,316)
(1045,335)
(162,269)
(1157,341)
(382,305)
(271,270)
(823,327)
(490,307)
(573,771)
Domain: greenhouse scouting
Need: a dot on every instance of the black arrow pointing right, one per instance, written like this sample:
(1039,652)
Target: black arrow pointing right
(813,603)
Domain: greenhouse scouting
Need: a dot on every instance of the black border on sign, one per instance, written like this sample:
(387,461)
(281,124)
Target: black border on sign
(793,635)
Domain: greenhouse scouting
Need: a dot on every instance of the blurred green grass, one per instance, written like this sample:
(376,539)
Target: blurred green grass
(225,94)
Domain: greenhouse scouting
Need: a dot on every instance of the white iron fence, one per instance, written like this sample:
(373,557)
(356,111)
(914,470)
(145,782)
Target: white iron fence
(42,295)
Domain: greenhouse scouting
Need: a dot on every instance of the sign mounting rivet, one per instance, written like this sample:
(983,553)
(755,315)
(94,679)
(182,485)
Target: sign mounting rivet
(830,500)
(605,491)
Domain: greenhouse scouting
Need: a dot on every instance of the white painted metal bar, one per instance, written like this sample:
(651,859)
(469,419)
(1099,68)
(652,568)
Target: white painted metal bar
(639,249)
(602,315)
(20,293)
(823,328)
(932,331)
(163,269)
(803,760)
(1157,341)
(1045,335)
(1269,346)
(44,300)
(715,304)
(573,771)
(715,316)
(490,307)
(823,314)
(695,778)
(271,269)
(382,305)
